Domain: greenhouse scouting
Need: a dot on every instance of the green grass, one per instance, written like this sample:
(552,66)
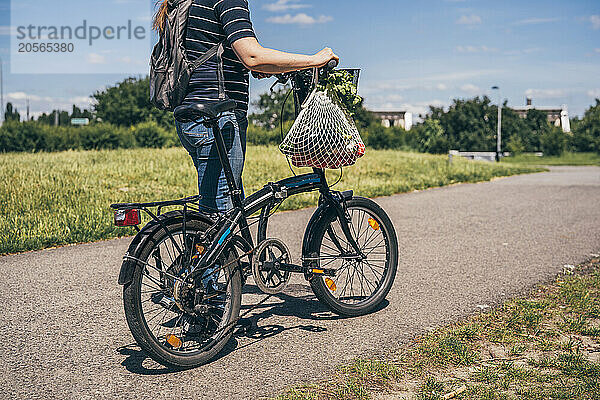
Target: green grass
(544,346)
(564,159)
(49,199)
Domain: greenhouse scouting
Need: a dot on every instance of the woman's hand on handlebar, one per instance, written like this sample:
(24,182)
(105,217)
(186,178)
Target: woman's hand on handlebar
(323,57)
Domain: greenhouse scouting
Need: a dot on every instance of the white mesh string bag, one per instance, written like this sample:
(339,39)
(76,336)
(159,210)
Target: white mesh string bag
(323,135)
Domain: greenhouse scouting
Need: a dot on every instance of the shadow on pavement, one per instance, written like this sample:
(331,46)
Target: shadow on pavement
(138,362)
(303,305)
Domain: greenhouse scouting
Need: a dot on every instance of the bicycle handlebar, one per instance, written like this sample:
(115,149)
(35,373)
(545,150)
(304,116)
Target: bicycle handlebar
(283,78)
(332,64)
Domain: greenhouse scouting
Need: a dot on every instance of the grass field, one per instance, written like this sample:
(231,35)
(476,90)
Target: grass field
(543,346)
(49,199)
(564,159)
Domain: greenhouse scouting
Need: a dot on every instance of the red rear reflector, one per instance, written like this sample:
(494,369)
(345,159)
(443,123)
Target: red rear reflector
(127,217)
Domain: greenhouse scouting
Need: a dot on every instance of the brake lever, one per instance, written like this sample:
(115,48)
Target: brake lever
(281,79)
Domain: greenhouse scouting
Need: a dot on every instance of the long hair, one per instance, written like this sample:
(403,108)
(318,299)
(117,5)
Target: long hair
(161,15)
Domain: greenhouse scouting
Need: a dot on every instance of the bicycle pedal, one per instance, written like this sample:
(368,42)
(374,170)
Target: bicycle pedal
(323,272)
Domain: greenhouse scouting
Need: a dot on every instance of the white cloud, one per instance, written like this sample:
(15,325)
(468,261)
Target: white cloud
(16,96)
(299,19)
(84,101)
(7,30)
(532,50)
(470,89)
(475,49)
(94,58)
(595,20)
(417,108)
(518,52)
(535,21)
(439,82)
(546,93)
(469,20)
(597,50)
(594,93)
(45,104)
(374,90)
(22,96)
(132,61)
(285,5)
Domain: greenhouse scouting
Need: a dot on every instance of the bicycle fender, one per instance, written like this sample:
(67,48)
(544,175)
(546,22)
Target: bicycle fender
(144,235)
(323,212)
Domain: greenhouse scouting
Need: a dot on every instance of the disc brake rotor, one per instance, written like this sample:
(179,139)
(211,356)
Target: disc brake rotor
(266,266)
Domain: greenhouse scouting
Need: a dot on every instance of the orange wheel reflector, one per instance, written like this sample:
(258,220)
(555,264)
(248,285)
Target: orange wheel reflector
(317,271)
(174,341)
(374,224)
(330,284)
(199,250)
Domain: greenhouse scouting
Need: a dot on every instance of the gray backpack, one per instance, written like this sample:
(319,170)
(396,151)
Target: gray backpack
(170,69)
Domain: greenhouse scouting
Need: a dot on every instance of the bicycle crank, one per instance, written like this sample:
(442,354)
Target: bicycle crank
(268,259)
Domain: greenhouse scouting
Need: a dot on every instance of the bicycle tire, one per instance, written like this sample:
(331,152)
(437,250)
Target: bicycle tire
(137,321)
(326,293)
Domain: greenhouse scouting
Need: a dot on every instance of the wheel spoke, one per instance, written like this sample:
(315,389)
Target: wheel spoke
(162,317)
(357,279)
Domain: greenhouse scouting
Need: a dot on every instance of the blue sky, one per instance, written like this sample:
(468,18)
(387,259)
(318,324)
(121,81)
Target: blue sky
(412,54)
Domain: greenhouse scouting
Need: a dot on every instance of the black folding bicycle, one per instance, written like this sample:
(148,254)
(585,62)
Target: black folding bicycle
(183,273)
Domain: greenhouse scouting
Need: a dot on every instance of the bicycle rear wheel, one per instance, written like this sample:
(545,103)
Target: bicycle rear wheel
(360,285)
(181,325)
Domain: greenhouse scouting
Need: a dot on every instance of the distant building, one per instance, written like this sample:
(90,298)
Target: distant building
(558,116)
(395,118)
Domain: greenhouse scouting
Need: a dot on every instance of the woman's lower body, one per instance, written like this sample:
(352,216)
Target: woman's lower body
(199,142)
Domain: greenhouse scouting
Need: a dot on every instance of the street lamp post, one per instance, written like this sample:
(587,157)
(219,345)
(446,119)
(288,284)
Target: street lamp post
(499,134)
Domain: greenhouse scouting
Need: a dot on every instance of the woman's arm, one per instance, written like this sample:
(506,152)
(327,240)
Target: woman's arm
(268,61)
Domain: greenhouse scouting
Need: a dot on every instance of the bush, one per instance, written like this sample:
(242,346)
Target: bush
(432,138)
(515,145)
(106,136)
(586,132)
(16,136)
(261,136)
(150,134)
(379,137)
(553,142)
(581,141)
(35,136)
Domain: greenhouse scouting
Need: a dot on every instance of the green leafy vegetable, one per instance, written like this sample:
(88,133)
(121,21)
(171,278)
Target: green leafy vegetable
(340,85)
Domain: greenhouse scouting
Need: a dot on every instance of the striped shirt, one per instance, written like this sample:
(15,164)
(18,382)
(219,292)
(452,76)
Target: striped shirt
(211,22)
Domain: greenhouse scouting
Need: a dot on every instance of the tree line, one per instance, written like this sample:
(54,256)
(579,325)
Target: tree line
(468,124)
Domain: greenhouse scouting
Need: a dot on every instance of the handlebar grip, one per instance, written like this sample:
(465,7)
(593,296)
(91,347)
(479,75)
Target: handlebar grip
(332,64)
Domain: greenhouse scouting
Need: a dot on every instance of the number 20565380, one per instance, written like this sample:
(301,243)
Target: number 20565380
(46,47)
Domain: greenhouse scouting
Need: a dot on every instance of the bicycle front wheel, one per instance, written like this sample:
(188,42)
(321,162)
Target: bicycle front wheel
(360,285)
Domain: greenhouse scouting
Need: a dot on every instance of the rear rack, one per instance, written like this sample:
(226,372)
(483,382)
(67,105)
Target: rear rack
(188,204)
(132,206)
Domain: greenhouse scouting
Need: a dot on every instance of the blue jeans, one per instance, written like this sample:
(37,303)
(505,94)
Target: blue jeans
(199,142)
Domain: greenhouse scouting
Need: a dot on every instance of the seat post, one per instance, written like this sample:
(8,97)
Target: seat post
(234,192)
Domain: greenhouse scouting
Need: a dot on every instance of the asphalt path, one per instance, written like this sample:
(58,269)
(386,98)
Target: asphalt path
(462,248)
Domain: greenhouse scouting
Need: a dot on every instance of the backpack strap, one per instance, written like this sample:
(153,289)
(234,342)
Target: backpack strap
(216,50)
(220,72)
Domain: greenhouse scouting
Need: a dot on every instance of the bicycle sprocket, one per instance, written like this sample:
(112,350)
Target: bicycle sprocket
(266,266)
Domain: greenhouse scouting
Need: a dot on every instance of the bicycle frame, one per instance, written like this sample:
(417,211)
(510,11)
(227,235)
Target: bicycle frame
(265,200)
(223,230)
